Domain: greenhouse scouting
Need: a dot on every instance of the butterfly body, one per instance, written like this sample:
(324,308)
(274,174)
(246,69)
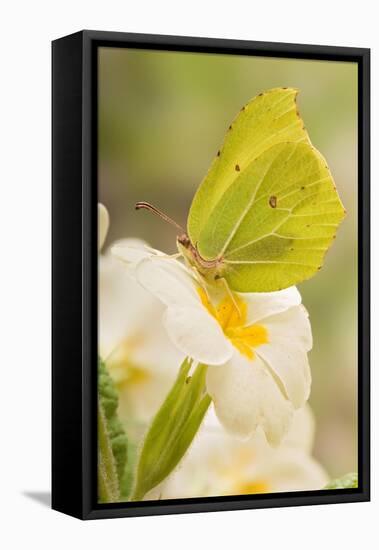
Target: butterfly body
(210,269)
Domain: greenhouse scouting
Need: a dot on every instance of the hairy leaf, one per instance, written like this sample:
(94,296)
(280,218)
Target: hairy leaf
(113,444)
(348,481)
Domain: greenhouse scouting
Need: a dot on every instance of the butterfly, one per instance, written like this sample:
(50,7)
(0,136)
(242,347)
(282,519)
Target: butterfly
(268,209)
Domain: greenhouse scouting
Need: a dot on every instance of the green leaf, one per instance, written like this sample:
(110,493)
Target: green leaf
(172,429)
(348,481)
(268,210)
(112,441)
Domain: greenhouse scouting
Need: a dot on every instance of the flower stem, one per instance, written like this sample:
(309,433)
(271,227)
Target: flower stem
(108,484)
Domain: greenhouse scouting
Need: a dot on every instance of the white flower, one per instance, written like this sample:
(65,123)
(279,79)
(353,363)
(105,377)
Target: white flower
(139,355)
(218,464)
(255,344)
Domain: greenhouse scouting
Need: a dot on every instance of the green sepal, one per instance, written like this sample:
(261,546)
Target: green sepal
(112,441)
(173,429)
(348,481)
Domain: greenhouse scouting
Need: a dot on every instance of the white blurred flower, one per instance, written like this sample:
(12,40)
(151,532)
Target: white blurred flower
(255,344)
(103,224)
(139,355)
(218,464)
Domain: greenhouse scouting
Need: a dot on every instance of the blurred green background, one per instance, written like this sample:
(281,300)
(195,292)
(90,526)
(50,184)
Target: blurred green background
(163,116)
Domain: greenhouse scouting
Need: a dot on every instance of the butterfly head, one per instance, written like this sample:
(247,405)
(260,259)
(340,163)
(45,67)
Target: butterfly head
(211,269)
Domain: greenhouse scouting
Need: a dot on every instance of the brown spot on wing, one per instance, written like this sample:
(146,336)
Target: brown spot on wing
(272,201)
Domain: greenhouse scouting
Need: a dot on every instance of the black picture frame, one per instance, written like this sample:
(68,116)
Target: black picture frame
(74,272)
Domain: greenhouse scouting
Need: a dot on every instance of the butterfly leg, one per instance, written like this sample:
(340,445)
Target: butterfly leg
(231,295)
(201,280)
(172,256)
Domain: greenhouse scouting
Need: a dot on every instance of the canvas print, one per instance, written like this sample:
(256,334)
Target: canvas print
(227,275)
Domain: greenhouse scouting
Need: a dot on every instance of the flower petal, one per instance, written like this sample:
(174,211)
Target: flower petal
(125,308)
(292,325)
(289,469)
(189,325)
(103,224)
(197,334)
(290,364)
(289,339)
(169,281)
(133,250)
(246,396)
(302,431)
(265,304)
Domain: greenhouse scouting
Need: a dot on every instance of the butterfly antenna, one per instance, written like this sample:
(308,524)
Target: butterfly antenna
(155,210)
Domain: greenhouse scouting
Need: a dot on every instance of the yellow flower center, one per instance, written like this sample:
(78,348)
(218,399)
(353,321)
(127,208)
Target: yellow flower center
(252,487)
(236,474)
(231,314)
(124,371)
